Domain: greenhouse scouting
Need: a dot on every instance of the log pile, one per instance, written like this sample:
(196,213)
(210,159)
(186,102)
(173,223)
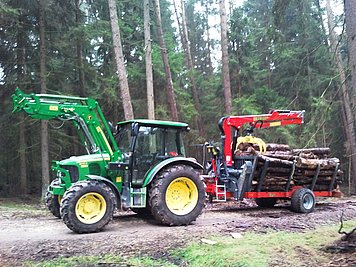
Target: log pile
(311,167)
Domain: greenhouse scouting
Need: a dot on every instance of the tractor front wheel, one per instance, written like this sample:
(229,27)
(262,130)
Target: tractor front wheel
(53,203)
(87,206)
(177,195)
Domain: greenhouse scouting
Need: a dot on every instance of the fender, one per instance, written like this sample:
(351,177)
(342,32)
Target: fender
(176,160)
(110,184)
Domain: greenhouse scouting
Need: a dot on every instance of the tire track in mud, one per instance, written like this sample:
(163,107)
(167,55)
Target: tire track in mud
(45,237)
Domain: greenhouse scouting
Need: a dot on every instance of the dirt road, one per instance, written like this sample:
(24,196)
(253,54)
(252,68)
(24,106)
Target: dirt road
(36,236)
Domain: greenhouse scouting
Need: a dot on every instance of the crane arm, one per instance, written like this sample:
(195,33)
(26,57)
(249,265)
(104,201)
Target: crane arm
(230,125)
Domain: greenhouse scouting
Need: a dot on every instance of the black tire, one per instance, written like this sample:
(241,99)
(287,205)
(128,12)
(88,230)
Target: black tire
(266,202)
(303,200)
(87,206)
(53,204)
(183,185)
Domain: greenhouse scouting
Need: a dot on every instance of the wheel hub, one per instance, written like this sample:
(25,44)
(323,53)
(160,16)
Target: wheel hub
(181,196)
(308,202)
(90,208)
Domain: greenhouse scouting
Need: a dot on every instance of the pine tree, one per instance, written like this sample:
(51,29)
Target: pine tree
(43,82)
(350,20)
(225,58)
(148,57)
(171,98)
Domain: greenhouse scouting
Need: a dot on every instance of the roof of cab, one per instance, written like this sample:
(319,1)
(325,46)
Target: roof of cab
(157,123)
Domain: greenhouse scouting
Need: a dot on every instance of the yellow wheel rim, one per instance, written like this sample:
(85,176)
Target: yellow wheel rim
(90,208)
(181,196)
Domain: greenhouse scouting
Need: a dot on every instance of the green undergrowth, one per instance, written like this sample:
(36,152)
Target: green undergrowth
(107,260)
(15,207)
(275,248)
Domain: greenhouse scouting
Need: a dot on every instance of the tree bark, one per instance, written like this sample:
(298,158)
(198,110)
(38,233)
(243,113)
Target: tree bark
(225,58)
(316,151)
(120,62)
(190,66)
(21,74)
(43,74)
(349,128)
(80,71)
(169,86)
(23,157)
(208,41)
(350,19)
(148,57)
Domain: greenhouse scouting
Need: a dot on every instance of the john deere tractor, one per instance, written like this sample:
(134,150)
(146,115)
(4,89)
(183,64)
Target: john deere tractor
(136,164)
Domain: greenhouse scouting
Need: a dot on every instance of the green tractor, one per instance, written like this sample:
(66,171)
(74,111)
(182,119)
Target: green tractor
(136,164)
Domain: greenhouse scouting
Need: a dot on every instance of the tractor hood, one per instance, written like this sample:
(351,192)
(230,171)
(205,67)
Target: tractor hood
(85,159)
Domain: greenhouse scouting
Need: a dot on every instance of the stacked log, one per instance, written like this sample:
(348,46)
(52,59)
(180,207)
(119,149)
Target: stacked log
(291,167)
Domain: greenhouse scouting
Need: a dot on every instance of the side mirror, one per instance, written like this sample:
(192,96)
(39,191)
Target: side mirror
(134,129)
(113,128)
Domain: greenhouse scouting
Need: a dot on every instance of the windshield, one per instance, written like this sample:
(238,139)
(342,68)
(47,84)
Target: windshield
(123,140)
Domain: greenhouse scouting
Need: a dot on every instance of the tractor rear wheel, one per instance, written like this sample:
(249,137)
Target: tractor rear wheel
(53,203)
(87,206)
(266,202)
(177,195)
(303,200)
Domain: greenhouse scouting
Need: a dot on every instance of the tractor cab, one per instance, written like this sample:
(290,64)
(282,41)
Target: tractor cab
(145,143)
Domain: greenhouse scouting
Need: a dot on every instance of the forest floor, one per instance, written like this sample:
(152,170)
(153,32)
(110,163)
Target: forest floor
(29,233)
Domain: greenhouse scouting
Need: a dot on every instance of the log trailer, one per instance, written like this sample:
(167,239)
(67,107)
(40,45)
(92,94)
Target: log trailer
(137,164)
(238,170)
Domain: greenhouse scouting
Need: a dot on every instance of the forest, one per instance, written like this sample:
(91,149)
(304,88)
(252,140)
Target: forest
(193,61)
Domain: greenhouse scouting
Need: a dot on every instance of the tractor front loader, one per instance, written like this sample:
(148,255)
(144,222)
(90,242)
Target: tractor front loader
(137,164)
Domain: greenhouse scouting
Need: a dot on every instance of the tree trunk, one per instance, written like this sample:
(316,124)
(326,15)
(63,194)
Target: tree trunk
(343,93)
(225,58)
(190,66)
(21,75)
(80,71)
(208,60)
(350,19)
(23,158)
(169,86)
(320,18)
(148,57)
(120,62)
(44,123)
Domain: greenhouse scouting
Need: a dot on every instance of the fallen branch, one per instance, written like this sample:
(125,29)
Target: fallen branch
(347,235)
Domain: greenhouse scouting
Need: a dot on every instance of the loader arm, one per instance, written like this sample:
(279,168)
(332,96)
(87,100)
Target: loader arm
(231,125)
(84,113)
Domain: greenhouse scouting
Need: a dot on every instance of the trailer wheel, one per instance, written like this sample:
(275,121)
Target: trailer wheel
(266,202)
(87,206)
(177,195)
(53,203)
(303,200)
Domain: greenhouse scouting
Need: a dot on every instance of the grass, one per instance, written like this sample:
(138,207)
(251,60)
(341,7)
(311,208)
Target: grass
(107,260)
(275,248)
(260,250)
(18,207)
